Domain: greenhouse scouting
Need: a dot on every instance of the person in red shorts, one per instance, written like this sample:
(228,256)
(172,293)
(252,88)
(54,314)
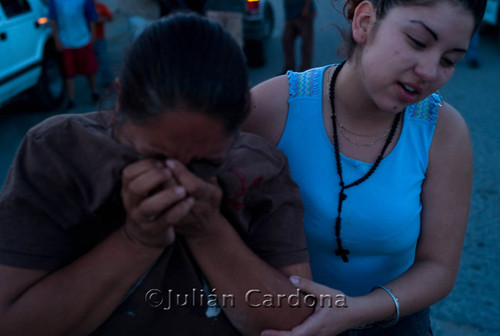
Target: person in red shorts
(73,27)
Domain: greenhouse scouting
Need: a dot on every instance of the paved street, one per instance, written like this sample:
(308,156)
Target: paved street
(475,301)
(473,307)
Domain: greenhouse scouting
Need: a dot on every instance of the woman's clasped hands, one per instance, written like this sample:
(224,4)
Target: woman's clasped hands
(163,198)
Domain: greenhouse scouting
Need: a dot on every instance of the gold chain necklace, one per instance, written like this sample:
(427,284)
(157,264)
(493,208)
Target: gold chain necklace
(379,136)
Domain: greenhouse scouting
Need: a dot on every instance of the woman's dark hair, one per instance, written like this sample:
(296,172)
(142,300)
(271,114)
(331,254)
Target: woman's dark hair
(185,61)
(476,7)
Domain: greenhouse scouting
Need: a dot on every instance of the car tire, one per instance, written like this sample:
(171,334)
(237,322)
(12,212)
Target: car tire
(48,93)
(254,51)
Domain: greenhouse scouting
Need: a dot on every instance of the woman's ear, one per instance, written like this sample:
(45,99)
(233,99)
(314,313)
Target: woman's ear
(363,20)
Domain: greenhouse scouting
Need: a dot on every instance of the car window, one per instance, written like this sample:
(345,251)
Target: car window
(15,7)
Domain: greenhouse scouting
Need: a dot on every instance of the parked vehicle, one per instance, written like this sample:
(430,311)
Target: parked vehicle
(491,19)
(29,61)
(258,26)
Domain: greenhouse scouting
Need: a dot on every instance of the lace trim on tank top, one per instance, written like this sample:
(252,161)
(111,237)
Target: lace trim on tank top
(304,84)
(307,84)
(426,109)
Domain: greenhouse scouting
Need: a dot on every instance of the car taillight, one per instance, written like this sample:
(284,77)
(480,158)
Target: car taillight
(253,7)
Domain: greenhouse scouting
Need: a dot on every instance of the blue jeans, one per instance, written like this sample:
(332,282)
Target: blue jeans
(101,51)
(417,324)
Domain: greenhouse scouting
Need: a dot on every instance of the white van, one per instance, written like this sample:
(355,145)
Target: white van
(29,61)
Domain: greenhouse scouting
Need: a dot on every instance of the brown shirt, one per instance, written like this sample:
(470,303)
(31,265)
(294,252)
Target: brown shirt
(62,197)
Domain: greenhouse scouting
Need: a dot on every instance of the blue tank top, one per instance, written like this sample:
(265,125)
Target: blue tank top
(381,216)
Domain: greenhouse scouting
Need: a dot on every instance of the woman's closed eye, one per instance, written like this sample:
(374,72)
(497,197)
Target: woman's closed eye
(416,42)
(448,63)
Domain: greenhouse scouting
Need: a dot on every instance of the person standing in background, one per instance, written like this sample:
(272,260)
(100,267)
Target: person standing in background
(299,20)
(101,44)
(229,13)
(73,27)
(139,15)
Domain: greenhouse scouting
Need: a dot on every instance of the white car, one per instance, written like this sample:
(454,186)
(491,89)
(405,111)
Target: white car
(29,61)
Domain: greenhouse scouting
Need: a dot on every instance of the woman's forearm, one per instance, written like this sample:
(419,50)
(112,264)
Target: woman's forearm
(261,297)
(76,299)
(424,284)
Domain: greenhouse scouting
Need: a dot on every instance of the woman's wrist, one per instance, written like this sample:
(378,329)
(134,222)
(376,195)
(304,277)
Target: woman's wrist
(394,319)
(219,231)
(147,251)
(357,314)
(375,308)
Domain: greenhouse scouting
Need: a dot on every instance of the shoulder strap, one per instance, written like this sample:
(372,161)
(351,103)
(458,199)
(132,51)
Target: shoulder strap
(305,84)
(426,109)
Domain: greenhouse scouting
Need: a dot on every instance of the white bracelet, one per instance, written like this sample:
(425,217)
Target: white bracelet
(396,303)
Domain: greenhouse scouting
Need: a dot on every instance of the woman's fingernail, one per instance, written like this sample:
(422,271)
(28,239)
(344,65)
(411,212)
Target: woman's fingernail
(170,164)
(180,190)
(295,280)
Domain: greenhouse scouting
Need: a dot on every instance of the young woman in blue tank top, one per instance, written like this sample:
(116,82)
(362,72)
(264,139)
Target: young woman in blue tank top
(384,166)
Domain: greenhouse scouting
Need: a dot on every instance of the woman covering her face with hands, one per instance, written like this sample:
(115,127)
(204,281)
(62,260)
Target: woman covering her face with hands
(157,217)
(384,165)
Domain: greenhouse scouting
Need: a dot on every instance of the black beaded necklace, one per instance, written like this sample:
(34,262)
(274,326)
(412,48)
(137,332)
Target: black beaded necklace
(340,251)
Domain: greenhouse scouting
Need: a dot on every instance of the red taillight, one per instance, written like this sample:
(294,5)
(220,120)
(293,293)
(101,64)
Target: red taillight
(252,6)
